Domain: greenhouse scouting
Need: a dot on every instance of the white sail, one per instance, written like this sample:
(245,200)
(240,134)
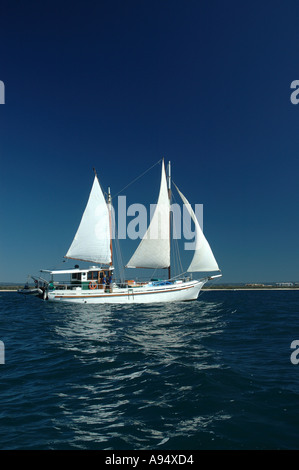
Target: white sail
(92,240)
(154,248)
(203,258)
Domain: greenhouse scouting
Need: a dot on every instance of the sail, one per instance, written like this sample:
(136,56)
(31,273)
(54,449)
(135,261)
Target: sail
(203,258)
(92,240)
(154,248)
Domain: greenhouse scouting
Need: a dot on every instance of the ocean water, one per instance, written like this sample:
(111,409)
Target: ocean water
(211,374)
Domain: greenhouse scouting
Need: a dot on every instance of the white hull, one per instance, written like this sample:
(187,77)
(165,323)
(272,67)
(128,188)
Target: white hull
(147,294)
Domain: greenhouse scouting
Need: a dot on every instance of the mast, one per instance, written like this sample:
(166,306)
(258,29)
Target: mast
(110,224)
(110,221)
(169,196)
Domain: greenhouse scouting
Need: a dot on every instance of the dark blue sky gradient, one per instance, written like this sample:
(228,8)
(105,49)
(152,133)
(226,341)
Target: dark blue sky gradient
(117,85)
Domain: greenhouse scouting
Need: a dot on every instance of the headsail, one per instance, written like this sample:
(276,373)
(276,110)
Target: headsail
(92,240)
(154,249)
(203,258)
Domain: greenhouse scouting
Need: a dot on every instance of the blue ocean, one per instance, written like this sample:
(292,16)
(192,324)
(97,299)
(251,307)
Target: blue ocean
(217,373)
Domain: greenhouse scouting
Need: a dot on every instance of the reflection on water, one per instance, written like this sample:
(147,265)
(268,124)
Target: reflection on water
(138,363)
(160,332)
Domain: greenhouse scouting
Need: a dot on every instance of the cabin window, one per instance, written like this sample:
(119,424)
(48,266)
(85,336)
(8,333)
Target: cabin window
(92,275)
(76,276)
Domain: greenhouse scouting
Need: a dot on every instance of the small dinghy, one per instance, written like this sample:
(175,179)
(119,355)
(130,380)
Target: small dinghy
(30,290)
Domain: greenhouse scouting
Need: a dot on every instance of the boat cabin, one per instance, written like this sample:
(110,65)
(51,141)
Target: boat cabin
(94,277)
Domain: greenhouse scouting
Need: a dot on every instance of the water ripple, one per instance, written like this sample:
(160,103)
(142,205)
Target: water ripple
(201,375)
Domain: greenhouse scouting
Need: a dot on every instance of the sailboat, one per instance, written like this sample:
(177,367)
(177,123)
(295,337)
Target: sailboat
(93,243)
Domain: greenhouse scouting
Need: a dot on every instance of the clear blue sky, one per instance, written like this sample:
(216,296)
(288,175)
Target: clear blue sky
(116,85)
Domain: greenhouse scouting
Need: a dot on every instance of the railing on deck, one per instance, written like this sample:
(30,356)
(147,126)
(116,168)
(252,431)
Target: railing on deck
(93,285)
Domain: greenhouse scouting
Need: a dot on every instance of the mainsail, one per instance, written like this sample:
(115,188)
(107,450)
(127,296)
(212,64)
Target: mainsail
(203,258)
(154,248)
(92,240)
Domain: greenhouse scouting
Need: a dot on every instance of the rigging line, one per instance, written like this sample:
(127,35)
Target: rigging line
(138,177)
(178,264)
(179,275)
